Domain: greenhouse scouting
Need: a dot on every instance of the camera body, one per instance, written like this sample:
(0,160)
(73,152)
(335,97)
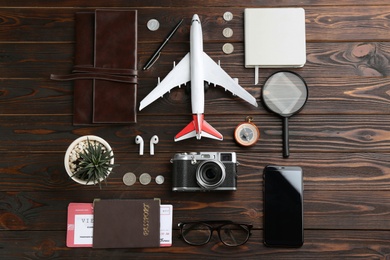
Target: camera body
(204,171)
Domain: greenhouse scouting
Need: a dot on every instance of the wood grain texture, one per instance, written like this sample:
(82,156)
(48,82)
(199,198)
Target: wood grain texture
(341,138)
(37,171)
(185,3)
(323,23)
(361,95)
(320,244)
(329,60)
(323,209)
(308,133)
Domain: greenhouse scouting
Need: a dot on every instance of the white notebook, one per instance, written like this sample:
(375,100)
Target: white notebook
(274,37)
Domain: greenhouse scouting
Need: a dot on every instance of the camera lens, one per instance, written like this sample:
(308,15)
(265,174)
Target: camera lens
(210,174)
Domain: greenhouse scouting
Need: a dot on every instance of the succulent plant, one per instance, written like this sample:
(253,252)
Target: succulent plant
(94,165)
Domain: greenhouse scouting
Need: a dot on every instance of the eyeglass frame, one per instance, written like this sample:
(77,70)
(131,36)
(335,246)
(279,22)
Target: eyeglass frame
(218,229)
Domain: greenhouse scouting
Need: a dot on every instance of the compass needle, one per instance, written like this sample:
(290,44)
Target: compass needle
(247,133)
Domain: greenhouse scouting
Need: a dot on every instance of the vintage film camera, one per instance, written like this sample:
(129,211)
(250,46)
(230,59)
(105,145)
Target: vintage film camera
(204,171)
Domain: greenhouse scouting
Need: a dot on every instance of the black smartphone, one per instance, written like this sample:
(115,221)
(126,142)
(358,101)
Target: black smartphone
(283,206)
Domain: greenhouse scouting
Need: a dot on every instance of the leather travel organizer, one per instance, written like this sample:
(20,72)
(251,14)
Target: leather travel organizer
(105,69)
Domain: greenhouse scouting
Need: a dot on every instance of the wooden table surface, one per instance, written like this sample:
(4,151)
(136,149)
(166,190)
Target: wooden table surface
(341,138)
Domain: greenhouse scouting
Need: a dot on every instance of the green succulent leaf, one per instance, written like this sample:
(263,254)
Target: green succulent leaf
(94,163)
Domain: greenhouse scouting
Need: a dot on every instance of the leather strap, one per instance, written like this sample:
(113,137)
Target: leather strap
(108,77)
(128,72)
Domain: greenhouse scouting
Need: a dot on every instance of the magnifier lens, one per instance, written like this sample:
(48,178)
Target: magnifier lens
(285,93)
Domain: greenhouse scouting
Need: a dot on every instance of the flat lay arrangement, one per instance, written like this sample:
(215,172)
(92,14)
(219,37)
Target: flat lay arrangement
(284,93)
(197,130)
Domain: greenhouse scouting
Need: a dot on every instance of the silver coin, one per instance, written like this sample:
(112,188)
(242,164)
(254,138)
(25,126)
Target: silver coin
(145,178)
(228,16)
(227,32)
(159,179)
(153,25)
(228,48)
(129,179)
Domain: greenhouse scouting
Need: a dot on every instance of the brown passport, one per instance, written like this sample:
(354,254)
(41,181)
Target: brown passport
(126,223)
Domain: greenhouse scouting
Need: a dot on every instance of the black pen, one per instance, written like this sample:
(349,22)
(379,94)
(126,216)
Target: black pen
(157,53)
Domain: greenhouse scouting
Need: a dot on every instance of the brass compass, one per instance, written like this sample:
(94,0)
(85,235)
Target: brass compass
(247,133)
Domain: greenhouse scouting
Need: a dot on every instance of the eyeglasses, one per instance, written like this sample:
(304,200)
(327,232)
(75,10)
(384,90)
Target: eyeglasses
(200,233)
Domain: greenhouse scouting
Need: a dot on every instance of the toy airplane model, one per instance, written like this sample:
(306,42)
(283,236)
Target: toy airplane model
(197,67)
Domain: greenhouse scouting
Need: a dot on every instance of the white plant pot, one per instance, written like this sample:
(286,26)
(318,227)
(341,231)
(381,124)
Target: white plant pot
(73,145)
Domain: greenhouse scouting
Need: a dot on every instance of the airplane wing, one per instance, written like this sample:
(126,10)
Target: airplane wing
(215,74)
(179,75)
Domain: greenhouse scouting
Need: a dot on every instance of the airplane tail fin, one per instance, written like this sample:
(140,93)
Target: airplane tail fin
(210,132)
(198,128)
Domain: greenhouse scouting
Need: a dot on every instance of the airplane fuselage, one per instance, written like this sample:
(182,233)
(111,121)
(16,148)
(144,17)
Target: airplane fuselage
(197,67)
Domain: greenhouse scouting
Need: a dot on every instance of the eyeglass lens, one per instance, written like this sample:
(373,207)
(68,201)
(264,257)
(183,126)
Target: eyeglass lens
(229,234)
(196,233)
(233,234)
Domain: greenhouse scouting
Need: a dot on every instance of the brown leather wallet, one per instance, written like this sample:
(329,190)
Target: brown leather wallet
(105,70)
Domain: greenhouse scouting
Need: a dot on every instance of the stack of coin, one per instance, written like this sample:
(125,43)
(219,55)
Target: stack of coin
(227,48)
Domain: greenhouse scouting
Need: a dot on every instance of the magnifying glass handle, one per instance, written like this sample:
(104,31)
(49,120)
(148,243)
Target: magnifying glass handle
(286,152)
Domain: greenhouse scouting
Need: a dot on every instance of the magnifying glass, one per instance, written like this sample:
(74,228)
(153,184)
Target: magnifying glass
(285,93)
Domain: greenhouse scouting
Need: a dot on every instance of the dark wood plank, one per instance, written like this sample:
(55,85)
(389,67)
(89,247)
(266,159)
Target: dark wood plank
(326,96)
(323,23)
(320,244)
(33,60)
(38,96)
(200,3)
(322,171)
(333,210)
(324,59)
(308,133)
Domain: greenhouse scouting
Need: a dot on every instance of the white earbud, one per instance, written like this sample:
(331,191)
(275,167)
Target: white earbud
(140,141)
(153,141)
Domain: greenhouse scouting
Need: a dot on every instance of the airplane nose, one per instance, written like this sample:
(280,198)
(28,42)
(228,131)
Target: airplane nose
(195,18)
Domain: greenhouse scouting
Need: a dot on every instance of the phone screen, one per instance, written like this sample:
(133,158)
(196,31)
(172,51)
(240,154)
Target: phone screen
(283,206)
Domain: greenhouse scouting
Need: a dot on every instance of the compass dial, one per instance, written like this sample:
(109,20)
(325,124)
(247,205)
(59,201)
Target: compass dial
(246,134)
